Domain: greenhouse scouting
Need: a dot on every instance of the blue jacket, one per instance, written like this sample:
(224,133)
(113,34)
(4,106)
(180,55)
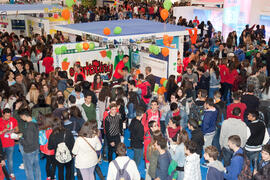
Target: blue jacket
(240,54)
(131,111)
(215,171)
(234,169)
(209,121)
(183,121)
(163,163)
(62,85)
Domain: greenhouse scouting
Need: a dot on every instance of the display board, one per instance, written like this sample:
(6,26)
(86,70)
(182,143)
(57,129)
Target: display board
(159,67)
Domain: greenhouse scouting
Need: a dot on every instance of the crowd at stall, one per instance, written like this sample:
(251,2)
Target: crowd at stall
(216,108)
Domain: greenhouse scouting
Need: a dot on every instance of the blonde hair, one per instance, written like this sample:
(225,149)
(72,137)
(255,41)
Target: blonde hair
(33,95)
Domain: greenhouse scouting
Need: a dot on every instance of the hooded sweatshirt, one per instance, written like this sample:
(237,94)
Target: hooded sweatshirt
(215,171)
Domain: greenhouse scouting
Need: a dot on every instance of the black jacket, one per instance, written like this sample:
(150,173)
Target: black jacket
(58,138)
(263,172)
(29,139)
(152,80)
(197,137)
(136,134)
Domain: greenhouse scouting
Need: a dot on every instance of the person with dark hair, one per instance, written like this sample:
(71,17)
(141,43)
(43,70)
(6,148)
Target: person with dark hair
(145,88)
(258,137)
(164,159)
(89,108)
(237,160)
(236,103)
(86,88)
(114,130)
(8,125)
(152,114)
(62,82)
(78,94)
(263,170)
(173,128)
(60,107)
(136,136)
(30,143)
(209,122)
(176,111)
(85,148)
(69,88)
(41,108)
(196,135)
(77,69)
(122,162)
(118,73)
(232,126)
(192,164)
(60,135)
(72,102)
(150,77)
(171,87)
(97,83)
(203,79)
(48,63)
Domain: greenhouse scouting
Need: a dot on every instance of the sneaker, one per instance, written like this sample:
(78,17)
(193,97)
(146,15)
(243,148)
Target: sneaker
(21,166)
(12,177)
(75,174)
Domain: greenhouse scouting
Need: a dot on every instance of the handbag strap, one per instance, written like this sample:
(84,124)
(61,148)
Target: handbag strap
(89,144)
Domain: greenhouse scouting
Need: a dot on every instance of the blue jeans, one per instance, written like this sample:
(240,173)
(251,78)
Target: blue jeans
(212,92)
(9,153)
(215,141)
(138,153)
(31,165)
(253,156)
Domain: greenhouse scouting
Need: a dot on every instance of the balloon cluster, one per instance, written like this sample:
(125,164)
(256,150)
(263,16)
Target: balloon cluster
(162,89)
(117,30)
(79,47)
(154,49)
(164,13)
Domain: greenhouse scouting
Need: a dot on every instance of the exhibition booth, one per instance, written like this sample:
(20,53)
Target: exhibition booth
(28,19)
(142,40)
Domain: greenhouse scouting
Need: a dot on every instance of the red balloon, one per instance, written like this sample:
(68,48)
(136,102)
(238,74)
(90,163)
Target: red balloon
(55,16)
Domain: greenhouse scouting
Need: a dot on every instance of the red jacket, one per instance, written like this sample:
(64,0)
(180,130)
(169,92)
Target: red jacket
(230,108)
(143,87)
(150,116)
(223,70)
(48,63)
(44,148)
(231,76)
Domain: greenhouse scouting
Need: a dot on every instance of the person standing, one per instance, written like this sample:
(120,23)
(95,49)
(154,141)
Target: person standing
(118,74)
(150,77)
(85,148)
(196,135)
(8,125)
(114,130)
(136,136)
(30,143)
(77,69)
(88,107)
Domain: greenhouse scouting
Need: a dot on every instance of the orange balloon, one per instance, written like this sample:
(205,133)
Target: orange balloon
(106,31)
(166,44)
(170,39)
(138,72)
(164,14)
(85,46)
(163,89)
(65,14)
(162,80)
(103,53)
(159,91)
(165,38)
(165,51)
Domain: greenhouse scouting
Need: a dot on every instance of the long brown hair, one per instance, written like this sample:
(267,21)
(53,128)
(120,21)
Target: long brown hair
(89,129)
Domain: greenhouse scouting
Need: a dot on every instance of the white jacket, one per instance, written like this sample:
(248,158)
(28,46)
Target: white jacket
(192,167)
(86,157)
(131,168)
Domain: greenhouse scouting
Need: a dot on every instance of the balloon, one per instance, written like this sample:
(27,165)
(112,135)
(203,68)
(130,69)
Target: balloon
(167,4)
(164,14)
(79,47)
(92,46)
(117,30)
(162,80)
(85,46)
(163,89)
(106,31)
(65,14)
(159,91)
(103,53)
(170,38)
(138,72)
(109,54)
(165,51)
(151,48)
(63,49)
(70,3)
(165,83)
(55,16)
(57,50)
(156,88)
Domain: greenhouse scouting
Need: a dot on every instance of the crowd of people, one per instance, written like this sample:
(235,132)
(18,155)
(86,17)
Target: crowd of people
(216,108)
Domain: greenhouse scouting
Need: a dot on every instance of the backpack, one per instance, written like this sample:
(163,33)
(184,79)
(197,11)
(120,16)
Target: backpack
(149,92)
(141,103)
(42,138)
(122,174)
(197,112)
(63,154)
(246,173)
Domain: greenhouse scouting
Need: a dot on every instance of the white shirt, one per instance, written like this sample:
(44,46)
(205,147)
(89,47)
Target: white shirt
(131,168)
(86,157)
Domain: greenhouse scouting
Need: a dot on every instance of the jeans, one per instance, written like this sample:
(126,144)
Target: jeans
(22,151)
(138,153)
(212,92)
(163,127)
(112,149)
(227,92)
(215,141)
(88,173)
(9,153)
(208,140)
(253,156)
(227,155)
(31,165)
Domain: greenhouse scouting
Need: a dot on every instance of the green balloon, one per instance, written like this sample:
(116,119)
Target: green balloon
(156,87)
(69,3)
(63,49)
(167,4)
(58,51)
(79,47)
(117,30)
(151,48)
(109,54)
(156,50)
(165,83)
(92,46)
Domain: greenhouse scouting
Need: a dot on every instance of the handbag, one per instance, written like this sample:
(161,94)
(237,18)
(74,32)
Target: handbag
(99,156)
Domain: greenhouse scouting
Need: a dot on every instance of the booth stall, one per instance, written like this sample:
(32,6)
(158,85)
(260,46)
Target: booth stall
(28,19)
(136,37)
